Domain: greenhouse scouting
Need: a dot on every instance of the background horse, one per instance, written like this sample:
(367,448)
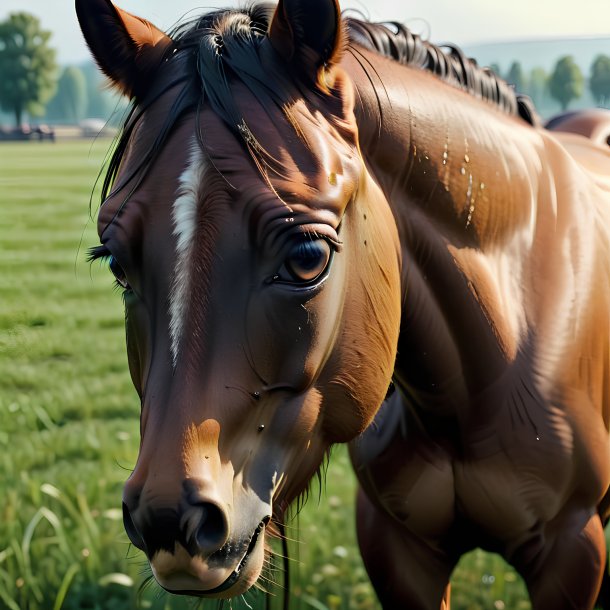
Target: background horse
(593,123)
(301,209)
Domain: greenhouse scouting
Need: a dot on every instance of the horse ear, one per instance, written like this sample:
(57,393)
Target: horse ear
(308,33)
(127,48)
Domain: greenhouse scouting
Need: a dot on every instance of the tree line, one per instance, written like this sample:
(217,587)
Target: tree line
(32,82)
(565,83)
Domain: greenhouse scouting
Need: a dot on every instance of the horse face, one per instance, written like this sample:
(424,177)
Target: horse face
(262,313)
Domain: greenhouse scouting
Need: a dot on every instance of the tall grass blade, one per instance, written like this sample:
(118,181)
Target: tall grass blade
(313,602)
(10,604)
(65,586)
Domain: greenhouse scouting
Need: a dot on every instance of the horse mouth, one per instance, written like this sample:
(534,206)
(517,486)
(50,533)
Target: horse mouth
(235,576)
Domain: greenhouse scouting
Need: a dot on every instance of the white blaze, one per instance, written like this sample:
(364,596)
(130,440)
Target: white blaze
(184,215)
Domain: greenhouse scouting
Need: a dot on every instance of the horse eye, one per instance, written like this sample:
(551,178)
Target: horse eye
(118,273)
(307,260)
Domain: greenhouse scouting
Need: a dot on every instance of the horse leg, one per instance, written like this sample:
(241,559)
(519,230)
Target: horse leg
(406,572)
(567,573)
(603,598)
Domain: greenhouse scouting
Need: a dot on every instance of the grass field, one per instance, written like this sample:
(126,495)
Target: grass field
(69,426)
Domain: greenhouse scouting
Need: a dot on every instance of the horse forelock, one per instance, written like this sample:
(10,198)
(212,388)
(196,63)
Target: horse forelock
(212,59)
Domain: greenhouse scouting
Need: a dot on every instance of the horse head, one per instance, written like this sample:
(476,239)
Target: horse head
(260,268)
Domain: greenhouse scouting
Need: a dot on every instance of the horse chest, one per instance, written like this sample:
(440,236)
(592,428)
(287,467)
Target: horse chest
(502,476)
(514,479)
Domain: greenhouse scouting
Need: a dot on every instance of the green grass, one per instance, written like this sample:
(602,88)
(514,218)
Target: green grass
(69,425)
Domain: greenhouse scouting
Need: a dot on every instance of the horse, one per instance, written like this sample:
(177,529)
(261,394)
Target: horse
(594,123)
(332,231)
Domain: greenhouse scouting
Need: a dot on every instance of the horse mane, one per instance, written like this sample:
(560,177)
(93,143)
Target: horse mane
(212,50)
(396,41)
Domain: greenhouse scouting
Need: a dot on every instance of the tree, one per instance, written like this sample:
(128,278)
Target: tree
(538,85)
(566,82)
(70,101)
(515,77)
(599,82)
(27,66)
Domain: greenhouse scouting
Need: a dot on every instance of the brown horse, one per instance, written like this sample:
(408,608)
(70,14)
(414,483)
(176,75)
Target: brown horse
(302,208)
(593,123)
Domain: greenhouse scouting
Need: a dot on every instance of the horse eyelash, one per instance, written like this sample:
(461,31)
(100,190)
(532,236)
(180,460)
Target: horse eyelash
(335,244)
(101,253)
(98,253)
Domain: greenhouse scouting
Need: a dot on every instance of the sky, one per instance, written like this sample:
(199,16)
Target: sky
(463,22)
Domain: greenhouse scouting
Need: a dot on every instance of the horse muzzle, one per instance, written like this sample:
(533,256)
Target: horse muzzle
(181,573)
(192,547)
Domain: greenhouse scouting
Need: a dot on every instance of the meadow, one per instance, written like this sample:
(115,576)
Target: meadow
(69,427)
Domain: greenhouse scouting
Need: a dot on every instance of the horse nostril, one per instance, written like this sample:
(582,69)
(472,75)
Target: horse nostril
(212,532)
(205,525)
(130,528)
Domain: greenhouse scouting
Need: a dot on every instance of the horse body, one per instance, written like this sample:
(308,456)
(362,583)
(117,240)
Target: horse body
(502,375)
(287,248)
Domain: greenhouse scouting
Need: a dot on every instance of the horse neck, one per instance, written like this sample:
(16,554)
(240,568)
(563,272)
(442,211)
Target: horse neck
(460,177)
(443,150)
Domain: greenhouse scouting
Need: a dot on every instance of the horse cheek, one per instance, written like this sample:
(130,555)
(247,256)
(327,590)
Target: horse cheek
(361,366)
(137,340)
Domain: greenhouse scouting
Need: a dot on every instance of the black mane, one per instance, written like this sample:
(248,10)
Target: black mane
(396,41)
